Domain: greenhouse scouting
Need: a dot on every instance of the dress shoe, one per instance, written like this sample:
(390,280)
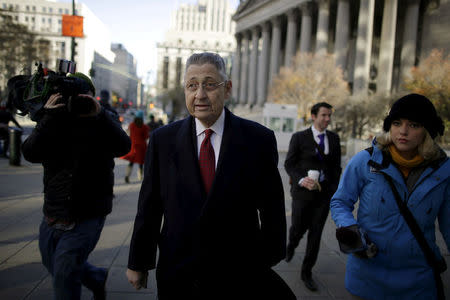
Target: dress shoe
(289,253)
(309,283)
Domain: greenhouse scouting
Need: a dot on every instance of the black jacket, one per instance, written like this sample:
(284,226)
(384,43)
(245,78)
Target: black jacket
(302,156)
(240,222)
(78,159)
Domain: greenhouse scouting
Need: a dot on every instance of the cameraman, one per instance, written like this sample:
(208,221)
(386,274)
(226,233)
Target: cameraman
(76,142)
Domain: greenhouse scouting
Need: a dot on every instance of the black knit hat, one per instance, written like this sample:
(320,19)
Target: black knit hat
(417,108)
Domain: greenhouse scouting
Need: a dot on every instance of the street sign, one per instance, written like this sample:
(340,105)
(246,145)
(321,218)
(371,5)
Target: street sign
(72,26)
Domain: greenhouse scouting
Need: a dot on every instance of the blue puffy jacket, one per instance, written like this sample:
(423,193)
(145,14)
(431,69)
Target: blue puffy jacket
(399,270)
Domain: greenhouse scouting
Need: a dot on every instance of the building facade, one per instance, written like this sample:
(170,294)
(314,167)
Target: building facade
(44,18)
(125,83)
(204,26)
(375,42)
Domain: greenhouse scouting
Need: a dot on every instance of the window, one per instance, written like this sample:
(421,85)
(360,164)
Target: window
(43,20)
(66,11)
(50,9)
(27,7)
(275,124)
(26,19)
(4,5)
(49,20)
(60,10)
(166,73)
(44,9)
(32,19)
(60,21)
(288,125)
(34,8)
(178,71)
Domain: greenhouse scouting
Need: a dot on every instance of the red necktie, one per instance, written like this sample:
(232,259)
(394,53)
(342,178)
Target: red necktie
(207,161)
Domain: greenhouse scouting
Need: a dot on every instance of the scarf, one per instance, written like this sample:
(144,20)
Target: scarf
(405,165)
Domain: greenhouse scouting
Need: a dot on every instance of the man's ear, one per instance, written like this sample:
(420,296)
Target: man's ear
(228,88)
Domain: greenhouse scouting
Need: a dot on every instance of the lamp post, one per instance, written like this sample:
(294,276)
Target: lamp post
(73,38)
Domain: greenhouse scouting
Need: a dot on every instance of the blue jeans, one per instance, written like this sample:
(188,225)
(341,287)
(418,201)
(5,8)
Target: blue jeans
(65,253)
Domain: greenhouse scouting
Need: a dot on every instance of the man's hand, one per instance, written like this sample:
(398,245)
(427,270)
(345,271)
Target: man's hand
(52,102)
(308,183)
(137,279)
(97,107)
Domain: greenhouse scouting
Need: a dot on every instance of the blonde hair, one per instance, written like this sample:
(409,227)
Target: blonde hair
(428,149)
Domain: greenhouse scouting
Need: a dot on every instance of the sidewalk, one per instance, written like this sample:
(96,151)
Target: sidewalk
(22,275)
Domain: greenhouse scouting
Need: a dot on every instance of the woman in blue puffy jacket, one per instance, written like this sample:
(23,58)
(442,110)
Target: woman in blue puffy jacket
(419,170)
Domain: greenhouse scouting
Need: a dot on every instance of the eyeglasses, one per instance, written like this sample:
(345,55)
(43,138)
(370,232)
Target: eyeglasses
(207,86)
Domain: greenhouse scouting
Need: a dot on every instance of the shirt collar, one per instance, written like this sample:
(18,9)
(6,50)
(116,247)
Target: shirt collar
(317,132)
(217,127)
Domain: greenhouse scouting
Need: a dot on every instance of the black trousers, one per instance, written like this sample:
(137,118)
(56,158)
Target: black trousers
(263,285)
(309,214)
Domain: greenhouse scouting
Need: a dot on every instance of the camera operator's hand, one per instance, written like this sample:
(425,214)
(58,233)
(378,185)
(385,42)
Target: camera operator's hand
(53,102)
(96,107)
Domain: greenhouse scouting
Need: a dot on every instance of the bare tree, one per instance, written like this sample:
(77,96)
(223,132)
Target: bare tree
(19,50)
(431,79)
(361,117)
(309,80)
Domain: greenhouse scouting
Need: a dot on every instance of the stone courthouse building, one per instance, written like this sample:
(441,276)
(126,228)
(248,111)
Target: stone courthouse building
(375,42)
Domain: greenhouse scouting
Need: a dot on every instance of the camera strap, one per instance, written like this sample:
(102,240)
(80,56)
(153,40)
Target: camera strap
(437,266)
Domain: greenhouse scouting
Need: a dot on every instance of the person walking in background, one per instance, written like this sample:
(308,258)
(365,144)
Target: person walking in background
(5,117)
(76,144)
(313,163)
(213,179)
(139,133)
(152,124)
(402,179)
(104,102)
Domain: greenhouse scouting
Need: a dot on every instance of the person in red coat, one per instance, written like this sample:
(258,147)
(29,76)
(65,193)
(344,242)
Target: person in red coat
(138,134)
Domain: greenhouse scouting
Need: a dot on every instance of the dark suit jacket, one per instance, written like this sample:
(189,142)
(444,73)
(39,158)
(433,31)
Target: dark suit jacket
(302,156)
(238,227)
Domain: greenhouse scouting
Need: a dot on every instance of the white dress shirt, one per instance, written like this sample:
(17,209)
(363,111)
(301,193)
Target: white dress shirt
(216,137)
(325,151)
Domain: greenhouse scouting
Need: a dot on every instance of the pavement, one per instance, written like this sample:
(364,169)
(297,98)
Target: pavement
(22,276)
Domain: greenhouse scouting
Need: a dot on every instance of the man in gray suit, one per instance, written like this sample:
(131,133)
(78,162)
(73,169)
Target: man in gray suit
(314,150)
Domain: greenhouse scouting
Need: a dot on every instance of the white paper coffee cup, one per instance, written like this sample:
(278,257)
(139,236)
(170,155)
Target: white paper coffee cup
(313,174)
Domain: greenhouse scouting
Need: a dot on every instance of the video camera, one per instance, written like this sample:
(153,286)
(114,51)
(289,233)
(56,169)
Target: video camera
(29,93)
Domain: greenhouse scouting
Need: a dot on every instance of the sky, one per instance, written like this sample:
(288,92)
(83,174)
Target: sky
(138,25)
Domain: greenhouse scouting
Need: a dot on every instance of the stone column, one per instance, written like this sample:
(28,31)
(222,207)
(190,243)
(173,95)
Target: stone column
(408,54)
(236,68)
(305,35)
(342,33)
(291,38)
(244,69)
(387,45)
(253,66)
(363,46)
(275,48)
(263,74)
(322,28)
